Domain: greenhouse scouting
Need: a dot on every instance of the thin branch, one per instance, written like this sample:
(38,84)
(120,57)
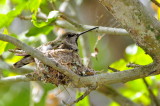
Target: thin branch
(106,30)
(156,3)
(12,79)
(155,100)
(116,96)
(113,69)
(70,21)
(4,66)
(69,24)
(133,65)
(87,92)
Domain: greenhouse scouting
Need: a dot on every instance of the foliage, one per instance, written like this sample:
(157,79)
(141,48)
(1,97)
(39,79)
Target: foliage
(132,90)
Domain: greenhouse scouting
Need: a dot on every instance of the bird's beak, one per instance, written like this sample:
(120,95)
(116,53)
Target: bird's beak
(86,31)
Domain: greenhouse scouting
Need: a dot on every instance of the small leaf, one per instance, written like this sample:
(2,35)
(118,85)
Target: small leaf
(120,65)
(138,56)
(100,37)
(96,50)
(53,15)
(5,31)
(34,5)
(36,31)
(95,53)
(6,19)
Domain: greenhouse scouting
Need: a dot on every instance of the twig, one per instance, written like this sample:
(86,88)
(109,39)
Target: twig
(12,79)
(4,66)
(18,52)
(150,92)
(90,89)
(113,69)
(30,17)
(116,96)
(85,51)
(156,3)
(106,30)
(133,65)
(71,22)
(78,27)
(25,17)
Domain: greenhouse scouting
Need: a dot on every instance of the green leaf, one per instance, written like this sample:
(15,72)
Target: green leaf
(114,104)
(3,46)
(139,57)
(9,46)
(53,15)
(34,5)
(18,1)
(120,65)
(6,19)
(2,2)
(36,31)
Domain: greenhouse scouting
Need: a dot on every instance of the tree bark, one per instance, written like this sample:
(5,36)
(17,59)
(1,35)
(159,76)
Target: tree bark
(143,28)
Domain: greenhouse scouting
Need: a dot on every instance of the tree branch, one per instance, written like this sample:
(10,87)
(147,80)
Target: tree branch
(4,66)
(152,96)
(13,79)
(116,96)
(122,76)
(106,30)
(69,24)
(156,3)
(143,28)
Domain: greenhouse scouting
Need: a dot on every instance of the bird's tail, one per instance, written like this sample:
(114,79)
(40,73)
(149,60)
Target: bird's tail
(26,60)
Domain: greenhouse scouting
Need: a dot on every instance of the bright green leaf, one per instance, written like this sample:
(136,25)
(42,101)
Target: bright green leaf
(139,57)
(18,1)
(34,5)
(9,46)
(53,15)
(2,2)
(6,19)
(43,30)
(114,104)
(3,46)
(120,65)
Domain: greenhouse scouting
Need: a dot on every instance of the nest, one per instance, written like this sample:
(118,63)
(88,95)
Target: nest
(69,59)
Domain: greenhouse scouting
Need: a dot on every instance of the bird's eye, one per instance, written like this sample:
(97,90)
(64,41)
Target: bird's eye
(70,35)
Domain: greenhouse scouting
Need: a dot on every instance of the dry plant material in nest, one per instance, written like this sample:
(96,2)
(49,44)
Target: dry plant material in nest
(68,59)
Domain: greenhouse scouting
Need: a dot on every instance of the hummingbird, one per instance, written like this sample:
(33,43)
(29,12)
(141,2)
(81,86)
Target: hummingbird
(65,41)
(63,50)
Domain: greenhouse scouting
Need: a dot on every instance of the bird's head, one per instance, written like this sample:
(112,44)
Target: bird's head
(73,37)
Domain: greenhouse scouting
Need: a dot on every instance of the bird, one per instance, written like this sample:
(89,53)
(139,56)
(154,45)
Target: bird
(64,51)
